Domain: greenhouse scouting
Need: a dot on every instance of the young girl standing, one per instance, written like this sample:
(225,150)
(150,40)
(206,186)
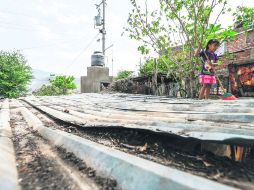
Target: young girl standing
(207,77)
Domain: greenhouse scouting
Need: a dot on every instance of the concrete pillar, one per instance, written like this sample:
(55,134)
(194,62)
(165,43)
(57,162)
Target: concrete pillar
(96,76)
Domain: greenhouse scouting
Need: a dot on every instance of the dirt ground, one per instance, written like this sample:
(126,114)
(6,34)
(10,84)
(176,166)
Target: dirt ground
(43,166)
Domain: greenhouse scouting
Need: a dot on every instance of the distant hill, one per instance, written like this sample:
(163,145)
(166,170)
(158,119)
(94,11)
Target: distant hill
(42,77)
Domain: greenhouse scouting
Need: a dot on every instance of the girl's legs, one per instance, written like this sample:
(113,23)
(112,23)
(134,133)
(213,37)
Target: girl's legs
(202,92)
(207,90)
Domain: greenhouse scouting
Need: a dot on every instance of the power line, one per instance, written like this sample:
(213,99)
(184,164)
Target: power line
(70,41)
(5,26)
(14,13)
(82,51)
(53,44)
(18,24)
(14,26)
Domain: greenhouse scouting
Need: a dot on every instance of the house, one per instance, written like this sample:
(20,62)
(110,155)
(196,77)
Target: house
(237,67)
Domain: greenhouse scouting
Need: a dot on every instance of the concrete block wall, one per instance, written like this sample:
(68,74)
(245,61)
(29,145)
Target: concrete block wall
(95,77)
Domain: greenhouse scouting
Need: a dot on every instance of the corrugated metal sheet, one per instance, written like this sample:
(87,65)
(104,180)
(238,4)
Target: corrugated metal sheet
(212,120)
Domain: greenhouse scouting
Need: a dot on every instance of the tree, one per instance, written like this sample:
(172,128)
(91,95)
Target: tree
(123,74)
(48,90)
(59,85)
(148,68)
(15,74)
(244,17)
(175,30)
(64,83)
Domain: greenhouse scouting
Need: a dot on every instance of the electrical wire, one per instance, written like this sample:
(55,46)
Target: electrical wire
(27,28)
(82,51)
(14,13)
(52,44)
(4,22)
(13,27)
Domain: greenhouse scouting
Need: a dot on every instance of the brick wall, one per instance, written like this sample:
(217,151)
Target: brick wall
(242,41)
(239,57)
(239,49)
(250,38)
(237,43)
(240,53)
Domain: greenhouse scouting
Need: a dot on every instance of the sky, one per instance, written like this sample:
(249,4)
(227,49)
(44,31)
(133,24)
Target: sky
(58,36)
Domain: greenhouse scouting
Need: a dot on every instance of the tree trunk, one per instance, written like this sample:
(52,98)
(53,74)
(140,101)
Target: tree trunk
(155,77)
(188,87)
(191,86)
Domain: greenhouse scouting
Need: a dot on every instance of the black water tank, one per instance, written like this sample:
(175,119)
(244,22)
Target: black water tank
(97,59)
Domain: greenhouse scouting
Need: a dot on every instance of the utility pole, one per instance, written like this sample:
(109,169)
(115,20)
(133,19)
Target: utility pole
(103,31)
(100,22)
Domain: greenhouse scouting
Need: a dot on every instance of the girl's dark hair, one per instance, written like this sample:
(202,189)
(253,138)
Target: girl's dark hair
(212,41)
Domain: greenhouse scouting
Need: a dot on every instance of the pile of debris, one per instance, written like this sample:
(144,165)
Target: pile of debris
(148,85)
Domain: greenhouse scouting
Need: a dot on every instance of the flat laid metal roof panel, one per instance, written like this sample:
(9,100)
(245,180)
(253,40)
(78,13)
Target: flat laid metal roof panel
(212,120)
